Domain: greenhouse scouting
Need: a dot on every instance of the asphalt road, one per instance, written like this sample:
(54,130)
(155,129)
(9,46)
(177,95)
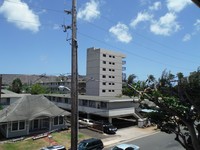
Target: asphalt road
(159,141)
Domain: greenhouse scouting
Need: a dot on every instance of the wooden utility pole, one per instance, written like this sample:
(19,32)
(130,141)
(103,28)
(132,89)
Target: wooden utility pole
(74,83)
(74,80)
(0,86)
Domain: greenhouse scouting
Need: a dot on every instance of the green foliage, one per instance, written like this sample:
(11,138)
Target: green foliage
(38,89)
(16,85)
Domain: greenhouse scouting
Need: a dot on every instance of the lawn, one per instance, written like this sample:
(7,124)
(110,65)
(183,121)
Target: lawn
(63,138)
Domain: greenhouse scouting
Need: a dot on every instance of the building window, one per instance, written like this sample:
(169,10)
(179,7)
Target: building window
(104,83)
(113,70)
(113,83)
(110,56)
(14,126)
(66,100)
(104,69)
(84,102)
(109,83)
(92,104)
(113,90)
(104,62)
(113,56)
(113,76)
(21,125)
(109,91)
(110,63)
(113,63)
(104,55)
(110,76)
(103,105)
(103,76)
(109,69)
(103,91)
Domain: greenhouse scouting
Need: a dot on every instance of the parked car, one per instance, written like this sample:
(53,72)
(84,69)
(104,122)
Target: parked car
(109,128)
(91,144)
(87,122)
(54,147)
(126,147)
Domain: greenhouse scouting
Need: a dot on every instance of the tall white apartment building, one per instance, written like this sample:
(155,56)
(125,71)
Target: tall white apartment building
(104,72)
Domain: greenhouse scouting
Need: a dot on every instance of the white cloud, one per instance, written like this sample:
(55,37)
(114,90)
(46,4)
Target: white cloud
(166,25)
(141,17)
(177,5)
(56,26)
(90,11)
(155,6)
(197,25)
(121,32)
(187,37)
(18,13)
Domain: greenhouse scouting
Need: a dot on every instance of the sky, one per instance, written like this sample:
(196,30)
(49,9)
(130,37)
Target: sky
(155,35)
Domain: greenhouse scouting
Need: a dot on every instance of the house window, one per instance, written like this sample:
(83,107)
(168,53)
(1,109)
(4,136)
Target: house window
(55,121)
(58,120)
(61,120)
(21,125)
(35,124)
(104,55)
(14,126)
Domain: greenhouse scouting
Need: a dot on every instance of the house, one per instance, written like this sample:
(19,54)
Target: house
(31,114)
(9,97)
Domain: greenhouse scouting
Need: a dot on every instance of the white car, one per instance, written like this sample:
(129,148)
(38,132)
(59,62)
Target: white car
(87,122)
(126,147)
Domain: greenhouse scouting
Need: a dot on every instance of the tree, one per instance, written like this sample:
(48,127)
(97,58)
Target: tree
(16,85)
(178,106)
(38,89)
(131,79)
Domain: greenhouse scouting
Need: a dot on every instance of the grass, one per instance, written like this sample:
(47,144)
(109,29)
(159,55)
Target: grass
(63,138)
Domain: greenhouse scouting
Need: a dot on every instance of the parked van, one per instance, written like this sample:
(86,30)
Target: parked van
(91,144)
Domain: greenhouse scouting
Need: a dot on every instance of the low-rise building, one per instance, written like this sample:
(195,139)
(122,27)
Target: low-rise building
(106,107)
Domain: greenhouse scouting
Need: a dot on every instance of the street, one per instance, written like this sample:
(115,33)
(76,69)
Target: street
(158,141)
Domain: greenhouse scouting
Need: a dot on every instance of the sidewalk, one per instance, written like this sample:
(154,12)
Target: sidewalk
(128,134)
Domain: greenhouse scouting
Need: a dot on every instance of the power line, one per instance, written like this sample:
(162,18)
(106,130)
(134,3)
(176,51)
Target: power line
(134,54)
(149,48)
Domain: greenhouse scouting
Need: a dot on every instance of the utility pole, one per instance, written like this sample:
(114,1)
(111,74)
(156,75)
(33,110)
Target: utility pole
(0,86)
(74,80)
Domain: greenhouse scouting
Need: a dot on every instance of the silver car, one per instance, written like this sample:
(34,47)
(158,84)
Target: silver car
(54,147)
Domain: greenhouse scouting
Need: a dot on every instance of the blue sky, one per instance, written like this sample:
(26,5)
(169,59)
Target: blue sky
(154,35)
